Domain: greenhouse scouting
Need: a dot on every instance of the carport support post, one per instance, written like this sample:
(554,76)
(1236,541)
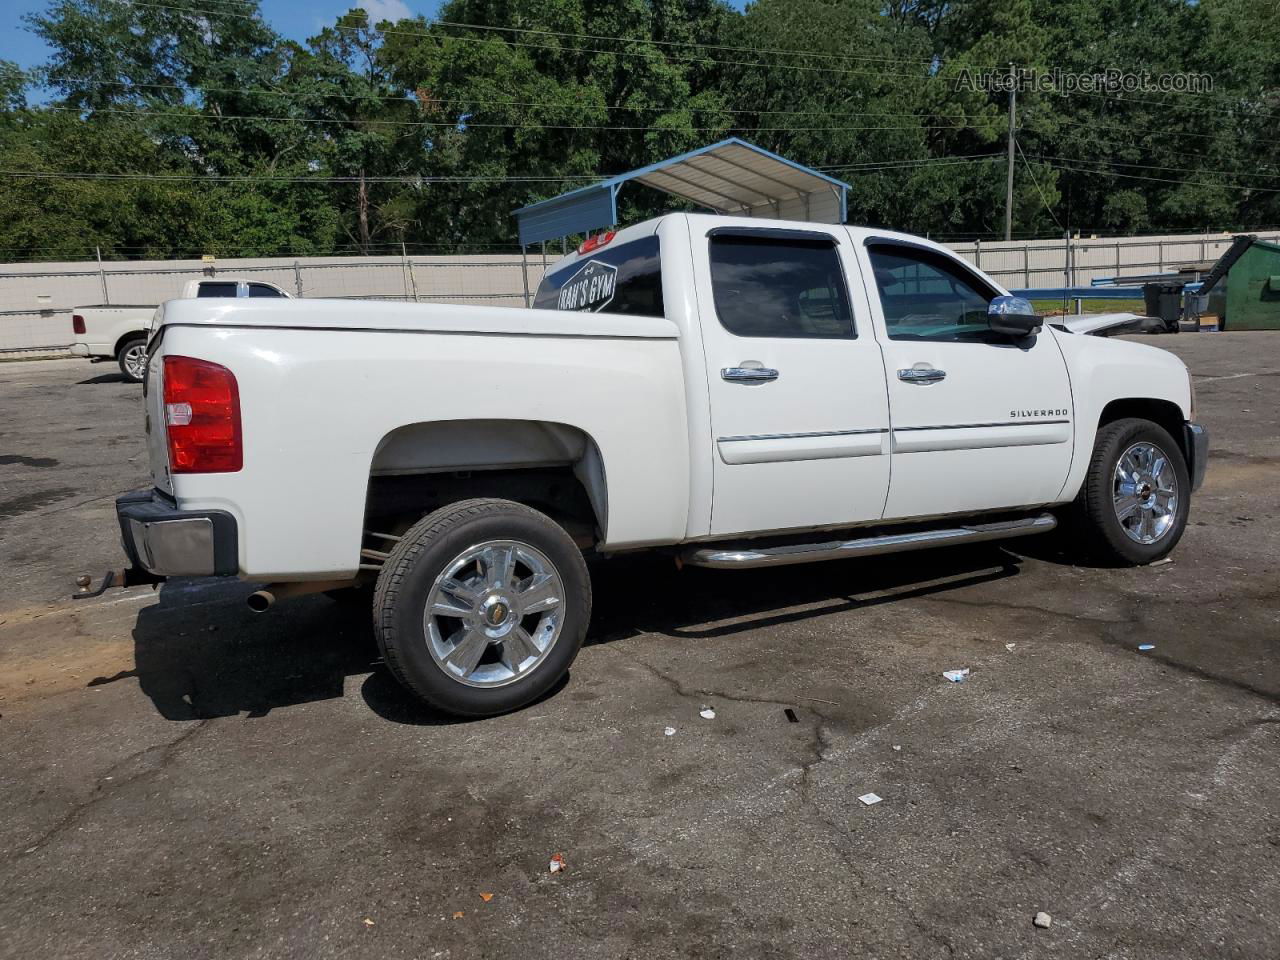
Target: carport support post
(524,270)
(408,271)
(102,275)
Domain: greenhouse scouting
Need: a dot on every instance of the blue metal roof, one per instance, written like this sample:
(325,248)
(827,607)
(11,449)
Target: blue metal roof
(731,176)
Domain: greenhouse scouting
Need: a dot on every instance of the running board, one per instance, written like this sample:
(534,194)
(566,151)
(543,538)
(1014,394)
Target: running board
(739,559)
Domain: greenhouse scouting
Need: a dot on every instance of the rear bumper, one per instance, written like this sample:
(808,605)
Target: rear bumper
(79,349)
(1197,453)
(168,542)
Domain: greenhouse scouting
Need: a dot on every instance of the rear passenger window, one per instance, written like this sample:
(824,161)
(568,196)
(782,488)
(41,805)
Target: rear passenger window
(263,290)
(217,289)
(622,279)
(767,287)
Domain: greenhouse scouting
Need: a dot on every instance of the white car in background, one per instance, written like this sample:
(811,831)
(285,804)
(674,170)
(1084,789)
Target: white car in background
(119,331)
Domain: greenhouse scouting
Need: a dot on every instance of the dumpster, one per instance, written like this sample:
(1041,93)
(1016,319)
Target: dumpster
(1249,298)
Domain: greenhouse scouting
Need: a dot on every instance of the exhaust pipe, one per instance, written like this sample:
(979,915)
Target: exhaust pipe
(260,601)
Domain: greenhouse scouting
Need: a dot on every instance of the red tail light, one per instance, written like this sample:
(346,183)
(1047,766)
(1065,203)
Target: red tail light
(202,417)
(77,323)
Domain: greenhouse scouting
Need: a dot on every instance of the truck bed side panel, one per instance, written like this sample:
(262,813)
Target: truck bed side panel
(316,403)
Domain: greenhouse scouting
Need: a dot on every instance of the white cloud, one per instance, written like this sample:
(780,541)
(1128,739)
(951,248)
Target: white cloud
(380,10)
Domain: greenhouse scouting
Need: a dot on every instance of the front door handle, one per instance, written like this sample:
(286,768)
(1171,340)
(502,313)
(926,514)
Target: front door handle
(748,374)
(921,375)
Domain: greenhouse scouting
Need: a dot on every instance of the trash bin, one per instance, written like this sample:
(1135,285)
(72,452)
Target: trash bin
(1164,300)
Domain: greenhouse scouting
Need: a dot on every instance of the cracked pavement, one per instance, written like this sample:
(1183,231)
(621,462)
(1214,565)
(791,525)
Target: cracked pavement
(181,778)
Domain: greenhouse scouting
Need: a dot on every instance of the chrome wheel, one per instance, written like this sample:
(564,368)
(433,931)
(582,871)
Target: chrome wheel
(134,360)
(494,613)
(1145,493)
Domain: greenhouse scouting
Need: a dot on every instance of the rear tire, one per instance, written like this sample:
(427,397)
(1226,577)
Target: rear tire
(482,606)
(1132,508)
(132,357)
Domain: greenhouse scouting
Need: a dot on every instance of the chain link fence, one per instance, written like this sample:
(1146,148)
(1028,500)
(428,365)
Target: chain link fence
(37,299)
(1077,261)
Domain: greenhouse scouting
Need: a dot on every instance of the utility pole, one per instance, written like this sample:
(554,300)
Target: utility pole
(1008,186)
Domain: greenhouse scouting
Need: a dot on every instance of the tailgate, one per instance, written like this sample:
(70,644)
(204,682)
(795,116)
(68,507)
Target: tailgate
(157,445)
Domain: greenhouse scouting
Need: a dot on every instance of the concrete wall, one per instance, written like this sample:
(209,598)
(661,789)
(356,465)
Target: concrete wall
(36,299)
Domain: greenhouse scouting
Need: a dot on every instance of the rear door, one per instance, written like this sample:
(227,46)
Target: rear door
(799,413)
(980,421)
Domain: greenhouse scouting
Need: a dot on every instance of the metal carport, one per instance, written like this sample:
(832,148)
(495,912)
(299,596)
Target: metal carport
(732,176)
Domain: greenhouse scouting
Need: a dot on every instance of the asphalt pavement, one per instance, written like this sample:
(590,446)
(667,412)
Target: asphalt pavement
(182,778)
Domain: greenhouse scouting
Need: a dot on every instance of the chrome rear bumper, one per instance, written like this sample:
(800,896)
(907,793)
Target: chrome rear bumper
(168,542)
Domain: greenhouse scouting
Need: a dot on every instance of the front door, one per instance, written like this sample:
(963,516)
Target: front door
(980,421)
(799,414)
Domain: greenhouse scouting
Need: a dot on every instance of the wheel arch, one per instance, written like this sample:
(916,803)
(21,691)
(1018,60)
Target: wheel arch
(125,338)
(1163,413)
(552,466)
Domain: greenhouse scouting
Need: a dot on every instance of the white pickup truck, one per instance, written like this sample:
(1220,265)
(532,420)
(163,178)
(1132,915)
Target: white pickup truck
(118,332)
(734,392)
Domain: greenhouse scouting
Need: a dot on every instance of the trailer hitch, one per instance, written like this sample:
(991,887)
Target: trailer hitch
(126,577)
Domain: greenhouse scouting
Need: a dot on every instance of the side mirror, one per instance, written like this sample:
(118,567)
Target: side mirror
(1013,316)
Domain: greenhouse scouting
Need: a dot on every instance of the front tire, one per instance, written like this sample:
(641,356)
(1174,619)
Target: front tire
(132,358)
(482,606)
(1133,506)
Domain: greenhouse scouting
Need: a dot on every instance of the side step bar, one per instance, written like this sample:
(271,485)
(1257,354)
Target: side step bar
(742,558)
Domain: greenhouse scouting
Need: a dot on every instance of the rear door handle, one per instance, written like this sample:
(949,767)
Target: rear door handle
(921,375)
(748,374)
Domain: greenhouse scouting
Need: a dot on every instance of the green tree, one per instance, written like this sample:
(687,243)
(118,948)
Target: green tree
(526,111)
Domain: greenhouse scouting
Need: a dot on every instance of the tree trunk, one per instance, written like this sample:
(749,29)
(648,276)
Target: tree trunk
(362,210)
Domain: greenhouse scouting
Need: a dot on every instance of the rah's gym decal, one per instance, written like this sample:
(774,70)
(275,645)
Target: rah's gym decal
(591,288)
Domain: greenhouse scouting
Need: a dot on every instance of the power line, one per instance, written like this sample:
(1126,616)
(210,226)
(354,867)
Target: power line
(539,31)
(405,98)
(870,167)
(1152,166)
(681,43)
(929,64)
(1185,93)
(1043,199)
(881,166)
(467,124)
(1093,125)
(249,178)
(1133,176)
(617,53)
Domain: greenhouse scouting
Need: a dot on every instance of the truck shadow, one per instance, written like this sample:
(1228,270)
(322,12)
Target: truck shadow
(200,654)
(104,378)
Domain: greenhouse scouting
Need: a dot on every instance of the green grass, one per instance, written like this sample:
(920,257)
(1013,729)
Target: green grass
(1091,306)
